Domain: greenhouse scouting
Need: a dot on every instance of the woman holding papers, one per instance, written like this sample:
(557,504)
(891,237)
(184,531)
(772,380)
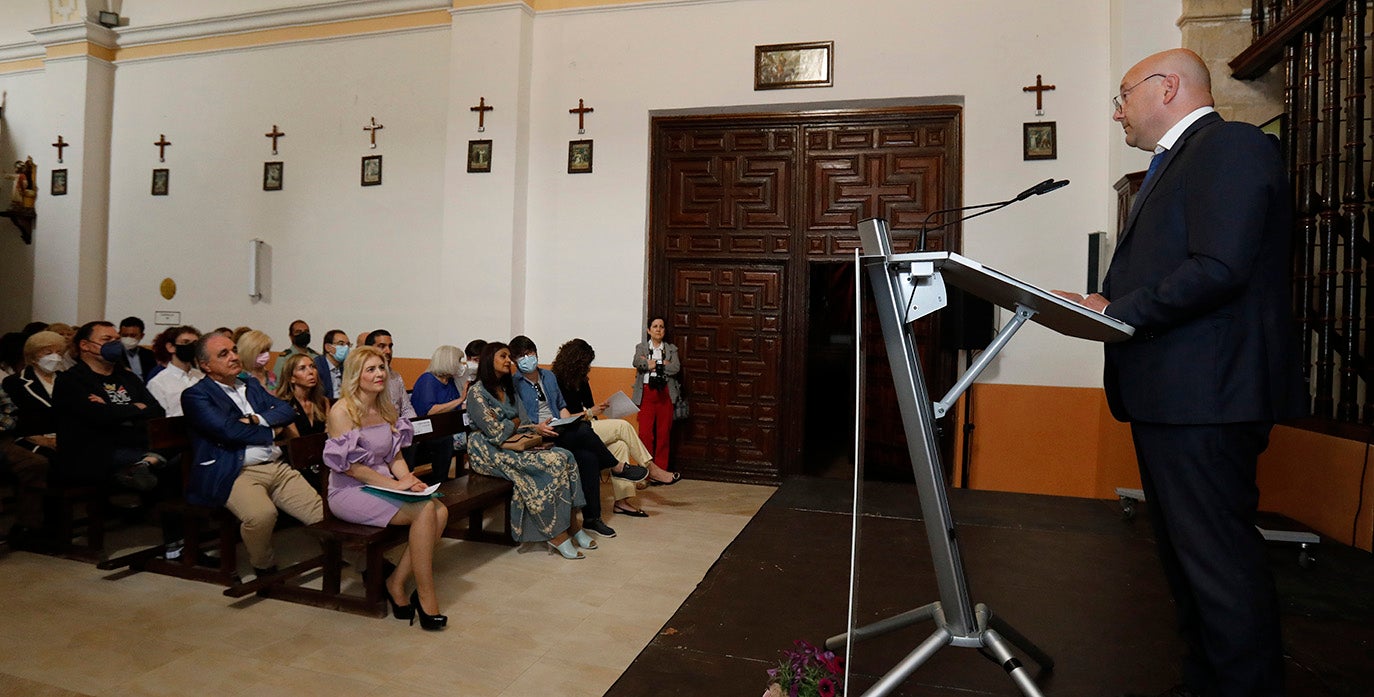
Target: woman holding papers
(364,448)
(572,366)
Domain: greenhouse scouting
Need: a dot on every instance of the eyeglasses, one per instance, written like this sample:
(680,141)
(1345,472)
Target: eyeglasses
(1117,100)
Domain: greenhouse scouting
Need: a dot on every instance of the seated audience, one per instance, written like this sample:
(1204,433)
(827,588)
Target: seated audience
(232,424)
(103,411)
(181,372)
(547,487)
(440,389)
(301,389)
(330,363)
(571,367)
(29,470)
(31,391)
(68,332)
(538,392)
(161,353)
(298,333)
(473,352)
(33,328)
(140,359)
(255,352)
(366,437)
(396,385)
(238,334)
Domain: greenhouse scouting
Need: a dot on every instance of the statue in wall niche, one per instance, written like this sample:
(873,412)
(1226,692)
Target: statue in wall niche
(24,193)
(23,196)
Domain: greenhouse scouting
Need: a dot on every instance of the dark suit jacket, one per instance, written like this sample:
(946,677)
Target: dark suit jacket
(326,378)
(1202,272)
(218,438)
(37,416)
(147,361)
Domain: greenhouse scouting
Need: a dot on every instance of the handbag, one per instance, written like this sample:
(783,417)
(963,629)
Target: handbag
(682,409)
(521,442)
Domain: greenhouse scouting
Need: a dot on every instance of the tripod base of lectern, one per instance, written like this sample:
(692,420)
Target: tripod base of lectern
(992,637)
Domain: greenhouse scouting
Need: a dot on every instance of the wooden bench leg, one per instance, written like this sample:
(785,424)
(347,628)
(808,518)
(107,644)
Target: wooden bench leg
(333,567)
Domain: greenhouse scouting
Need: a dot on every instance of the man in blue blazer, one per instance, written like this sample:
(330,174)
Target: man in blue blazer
(237,465)
(1202,272)
(329,364)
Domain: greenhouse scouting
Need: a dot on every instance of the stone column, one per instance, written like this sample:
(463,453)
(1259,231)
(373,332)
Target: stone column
(71,238)
(1219,30)
(484,234)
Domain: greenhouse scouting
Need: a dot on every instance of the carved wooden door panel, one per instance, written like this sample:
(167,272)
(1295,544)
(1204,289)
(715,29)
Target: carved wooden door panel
(727,319)
(739,209)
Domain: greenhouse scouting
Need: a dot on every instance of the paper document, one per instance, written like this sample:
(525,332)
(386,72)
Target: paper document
(422,427)
(429,491)
(565,421)
(619,406)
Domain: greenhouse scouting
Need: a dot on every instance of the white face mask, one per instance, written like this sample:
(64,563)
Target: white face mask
(129,342)
(51,362)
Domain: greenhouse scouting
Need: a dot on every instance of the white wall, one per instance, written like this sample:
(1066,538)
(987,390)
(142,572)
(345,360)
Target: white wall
(626,63)
(342,255)
(416,254)
(17,17)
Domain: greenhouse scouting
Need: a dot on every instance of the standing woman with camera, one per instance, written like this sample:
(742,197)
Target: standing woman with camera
(656,390)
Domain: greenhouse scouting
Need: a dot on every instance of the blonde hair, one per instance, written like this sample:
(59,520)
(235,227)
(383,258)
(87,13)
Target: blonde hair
(40,341)
(250,345)
(285,390)
(351,394)
(448,361)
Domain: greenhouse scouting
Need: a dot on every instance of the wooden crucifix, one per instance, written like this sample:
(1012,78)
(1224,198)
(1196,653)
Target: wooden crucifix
(373,128)
(274,135)
(1039,88)
(162,144)
(60,145)
(581,112)
(481,110)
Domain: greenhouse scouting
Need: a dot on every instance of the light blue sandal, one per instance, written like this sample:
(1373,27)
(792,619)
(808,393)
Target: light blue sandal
(584,540)
(566,549)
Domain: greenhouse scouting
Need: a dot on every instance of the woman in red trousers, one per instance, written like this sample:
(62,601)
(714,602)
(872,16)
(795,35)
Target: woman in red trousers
(656,390)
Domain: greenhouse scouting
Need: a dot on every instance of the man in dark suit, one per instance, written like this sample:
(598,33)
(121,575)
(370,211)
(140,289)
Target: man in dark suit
(141,359)
(237,465)
(1202,272)
(329,364)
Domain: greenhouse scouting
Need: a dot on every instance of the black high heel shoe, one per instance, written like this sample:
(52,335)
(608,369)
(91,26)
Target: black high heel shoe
(427,621)
(401,612)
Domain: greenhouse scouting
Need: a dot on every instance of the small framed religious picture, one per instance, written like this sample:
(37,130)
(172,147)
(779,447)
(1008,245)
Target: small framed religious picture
(59,182)
(479,155)
(1038,141)
(372,170)
(786,66)
(161,178)
(271,176)
(579,157)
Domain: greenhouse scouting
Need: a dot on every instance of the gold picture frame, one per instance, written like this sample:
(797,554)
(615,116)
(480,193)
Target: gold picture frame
(789,66)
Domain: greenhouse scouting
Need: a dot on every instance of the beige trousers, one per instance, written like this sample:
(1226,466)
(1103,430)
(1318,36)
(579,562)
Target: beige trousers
(257,494)
(622,440)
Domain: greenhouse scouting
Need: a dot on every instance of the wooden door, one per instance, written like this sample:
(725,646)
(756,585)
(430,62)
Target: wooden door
(739,206)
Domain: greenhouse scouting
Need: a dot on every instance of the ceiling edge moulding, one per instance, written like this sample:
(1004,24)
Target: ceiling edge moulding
(22,51)
(285,18)
(572,6)
(265,38)
(21,66)
(82,32)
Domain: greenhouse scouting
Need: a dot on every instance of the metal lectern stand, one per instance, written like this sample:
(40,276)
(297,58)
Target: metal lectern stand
(907,287)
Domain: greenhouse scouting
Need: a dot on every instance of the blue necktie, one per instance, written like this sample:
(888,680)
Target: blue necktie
(1154,165)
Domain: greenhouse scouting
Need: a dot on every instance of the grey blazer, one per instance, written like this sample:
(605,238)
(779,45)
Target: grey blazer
(671,367)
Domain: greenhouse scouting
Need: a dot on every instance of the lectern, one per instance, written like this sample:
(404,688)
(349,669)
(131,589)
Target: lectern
(907,287)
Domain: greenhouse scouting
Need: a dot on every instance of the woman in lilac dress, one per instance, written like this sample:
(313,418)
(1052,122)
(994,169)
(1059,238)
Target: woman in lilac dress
(365,440)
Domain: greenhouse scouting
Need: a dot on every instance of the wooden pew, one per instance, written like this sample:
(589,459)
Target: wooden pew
(201,523)
(470,495)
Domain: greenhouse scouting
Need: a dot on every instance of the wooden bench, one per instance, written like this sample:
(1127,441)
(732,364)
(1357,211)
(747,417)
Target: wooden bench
(469,495)
(60,503)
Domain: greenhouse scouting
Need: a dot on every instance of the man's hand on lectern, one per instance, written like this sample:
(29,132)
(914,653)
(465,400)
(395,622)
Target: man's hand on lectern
(1095,302)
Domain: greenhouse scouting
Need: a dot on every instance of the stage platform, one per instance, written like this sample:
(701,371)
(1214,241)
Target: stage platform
(1073,575)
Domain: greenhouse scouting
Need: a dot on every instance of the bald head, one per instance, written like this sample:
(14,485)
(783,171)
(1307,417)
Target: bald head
(1158,92)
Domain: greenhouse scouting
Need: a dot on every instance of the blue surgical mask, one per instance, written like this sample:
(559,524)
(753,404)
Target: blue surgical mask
(341,352)
(112,351)
(527,364)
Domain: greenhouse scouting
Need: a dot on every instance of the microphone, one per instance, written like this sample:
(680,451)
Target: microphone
(1043,187)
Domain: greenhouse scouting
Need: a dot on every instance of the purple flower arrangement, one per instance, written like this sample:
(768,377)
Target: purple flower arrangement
(806,671)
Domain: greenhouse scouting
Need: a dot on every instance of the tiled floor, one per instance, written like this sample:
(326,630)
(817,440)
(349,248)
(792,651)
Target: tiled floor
(520,624)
